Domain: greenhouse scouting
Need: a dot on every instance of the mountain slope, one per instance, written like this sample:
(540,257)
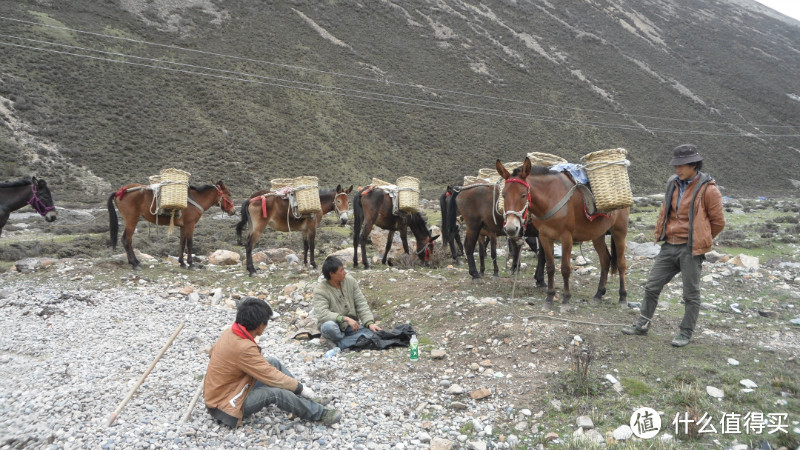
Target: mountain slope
(436,89)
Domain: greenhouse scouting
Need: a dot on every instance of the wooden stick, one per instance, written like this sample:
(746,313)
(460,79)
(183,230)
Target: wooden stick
(192,403)
(144,375)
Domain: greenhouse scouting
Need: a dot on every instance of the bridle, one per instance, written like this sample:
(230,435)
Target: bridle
(37,203)
(426,250)
(223,202)
(336,207)
(522,214)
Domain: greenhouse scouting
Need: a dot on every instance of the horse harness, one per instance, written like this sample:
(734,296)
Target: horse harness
(336,207)
(221,200)
(588,201)
(37,203)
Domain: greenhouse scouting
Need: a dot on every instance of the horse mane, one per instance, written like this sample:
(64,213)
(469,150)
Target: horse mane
(22,182)
(202,188)
(416,221)
(535,170)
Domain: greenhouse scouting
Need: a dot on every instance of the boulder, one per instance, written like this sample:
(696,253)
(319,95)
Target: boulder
(378,237)
(224,258)
(748,262)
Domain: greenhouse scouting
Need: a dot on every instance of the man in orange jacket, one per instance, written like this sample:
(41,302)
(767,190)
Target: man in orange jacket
(240,382)
(690,218)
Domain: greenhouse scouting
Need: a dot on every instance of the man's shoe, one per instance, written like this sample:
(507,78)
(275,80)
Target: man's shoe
(680,340)
(330,417)
(640,328)
(322,400)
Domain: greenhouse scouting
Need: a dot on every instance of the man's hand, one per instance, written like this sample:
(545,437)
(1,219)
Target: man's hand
(307,393)
(350,321)
(374,328)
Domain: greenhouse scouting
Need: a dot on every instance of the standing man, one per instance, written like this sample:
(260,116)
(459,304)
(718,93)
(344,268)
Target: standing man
(690,218)
(240,382)
(339,304)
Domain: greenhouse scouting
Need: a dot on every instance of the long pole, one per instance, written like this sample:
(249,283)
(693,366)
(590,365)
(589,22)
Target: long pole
(144,375)
(192,403)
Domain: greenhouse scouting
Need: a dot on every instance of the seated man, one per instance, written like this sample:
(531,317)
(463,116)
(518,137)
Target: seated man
(339,304)
(240,382)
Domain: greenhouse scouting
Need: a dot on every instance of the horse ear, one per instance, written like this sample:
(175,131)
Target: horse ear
(526,169)
(502,170)
(338,188)
(435,238)
(349,189)
(34,180)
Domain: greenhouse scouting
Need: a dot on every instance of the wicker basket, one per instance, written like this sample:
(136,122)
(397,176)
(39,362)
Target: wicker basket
(608,177)
(408,194)
(545,159)
(175,190)
(470,180)
(154,179)
(379,182)
(280,183)
(489,175)
(306,190)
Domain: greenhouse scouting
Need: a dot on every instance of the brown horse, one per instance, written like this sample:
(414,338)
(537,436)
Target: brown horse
(136,200)
(476,205)
(546,198)
(265,208)
(16,194)
(374,207)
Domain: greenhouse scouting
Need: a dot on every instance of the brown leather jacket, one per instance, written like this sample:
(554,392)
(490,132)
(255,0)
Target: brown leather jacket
(234,366)
(706,220)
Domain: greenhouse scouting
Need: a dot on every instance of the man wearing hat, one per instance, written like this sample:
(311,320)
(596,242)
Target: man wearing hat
(689,219)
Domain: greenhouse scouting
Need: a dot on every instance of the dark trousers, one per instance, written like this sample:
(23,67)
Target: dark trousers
(671,260)
(262,396)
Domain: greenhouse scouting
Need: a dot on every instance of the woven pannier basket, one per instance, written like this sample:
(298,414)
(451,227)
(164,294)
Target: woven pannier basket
(379,182)
(608,177)
(408,194)
(545,159)
(469,180)
(175,190)
(280,183)
(489,175)
(154,179)
(307,194)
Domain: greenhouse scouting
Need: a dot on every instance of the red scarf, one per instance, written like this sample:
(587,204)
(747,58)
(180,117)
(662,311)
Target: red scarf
(241,331)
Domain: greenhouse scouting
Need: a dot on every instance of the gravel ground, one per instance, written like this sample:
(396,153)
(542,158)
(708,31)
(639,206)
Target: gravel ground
(70,353)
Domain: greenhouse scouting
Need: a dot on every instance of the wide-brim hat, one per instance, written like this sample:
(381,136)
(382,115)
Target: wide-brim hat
(685,154)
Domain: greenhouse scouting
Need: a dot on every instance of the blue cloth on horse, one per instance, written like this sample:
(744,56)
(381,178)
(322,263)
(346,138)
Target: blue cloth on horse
(577,171)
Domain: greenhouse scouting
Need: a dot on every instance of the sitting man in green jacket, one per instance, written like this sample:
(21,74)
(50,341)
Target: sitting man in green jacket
(339,304)
(240,382)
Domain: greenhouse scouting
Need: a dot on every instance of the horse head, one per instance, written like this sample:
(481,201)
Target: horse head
(42,200)
(516,197)
(423,236)
(341,203)
(225,199)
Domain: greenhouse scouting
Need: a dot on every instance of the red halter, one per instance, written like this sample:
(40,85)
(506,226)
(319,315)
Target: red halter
(523,214)
(224,203)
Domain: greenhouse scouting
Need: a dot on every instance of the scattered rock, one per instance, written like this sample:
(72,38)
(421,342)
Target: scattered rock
(748,383)
(585,422)
(556,404)
(733,362)
(551,436)
(438,443)
(480,393)
(455,390)
(622,433)
(750,263)
(768,314)
(458,406)
(224,258)
(715,392)
(438,354)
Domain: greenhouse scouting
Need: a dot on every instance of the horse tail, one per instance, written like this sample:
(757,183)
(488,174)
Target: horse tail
(112,221)
(242,223)
(614,266)
(358,218)
(452,214)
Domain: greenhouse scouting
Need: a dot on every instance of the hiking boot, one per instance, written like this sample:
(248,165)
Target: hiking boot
(330,417)
(680,340)
(640,328)
(322,400)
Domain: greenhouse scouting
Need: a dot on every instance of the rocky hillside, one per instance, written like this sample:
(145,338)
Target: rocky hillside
(97,94)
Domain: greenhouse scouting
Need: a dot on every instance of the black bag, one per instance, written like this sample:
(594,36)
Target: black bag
(365,339)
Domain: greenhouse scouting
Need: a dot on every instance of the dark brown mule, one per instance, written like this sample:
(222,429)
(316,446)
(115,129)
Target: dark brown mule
(374,207)
(135,201)
(16,194)
(534,193)
(263,209)
(476,205)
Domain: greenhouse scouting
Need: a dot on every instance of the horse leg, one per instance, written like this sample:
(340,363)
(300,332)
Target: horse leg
(566,266)
(4,215)
(127,241)
(540,261)
(470,239)
(311,239)
(618,244)
(550,263)
(389,240)
(255,232)
(605,265)
(188,231)
(493,239)
(482,253)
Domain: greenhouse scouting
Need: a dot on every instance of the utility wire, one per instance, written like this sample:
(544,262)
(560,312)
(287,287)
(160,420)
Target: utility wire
(452,108)
(384,81)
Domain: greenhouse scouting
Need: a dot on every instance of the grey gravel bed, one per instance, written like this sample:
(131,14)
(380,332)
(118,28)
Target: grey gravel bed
(69,354)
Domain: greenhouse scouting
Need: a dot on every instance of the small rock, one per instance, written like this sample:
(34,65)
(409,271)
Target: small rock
(480,393)
(521,426)
(768,314)
(458,406)
(476,445)
(224,258)
(556,404)
(438,443)
(715,392)
(551,436)
(424,437)
(733,362)
(585,422)
(748,383)
(455,390)
(438,354)
(622,433)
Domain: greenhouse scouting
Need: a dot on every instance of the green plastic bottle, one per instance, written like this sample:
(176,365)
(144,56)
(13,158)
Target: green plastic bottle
(413,352)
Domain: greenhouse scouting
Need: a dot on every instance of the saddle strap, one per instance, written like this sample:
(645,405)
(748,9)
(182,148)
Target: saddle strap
(189,200)
(558,205)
